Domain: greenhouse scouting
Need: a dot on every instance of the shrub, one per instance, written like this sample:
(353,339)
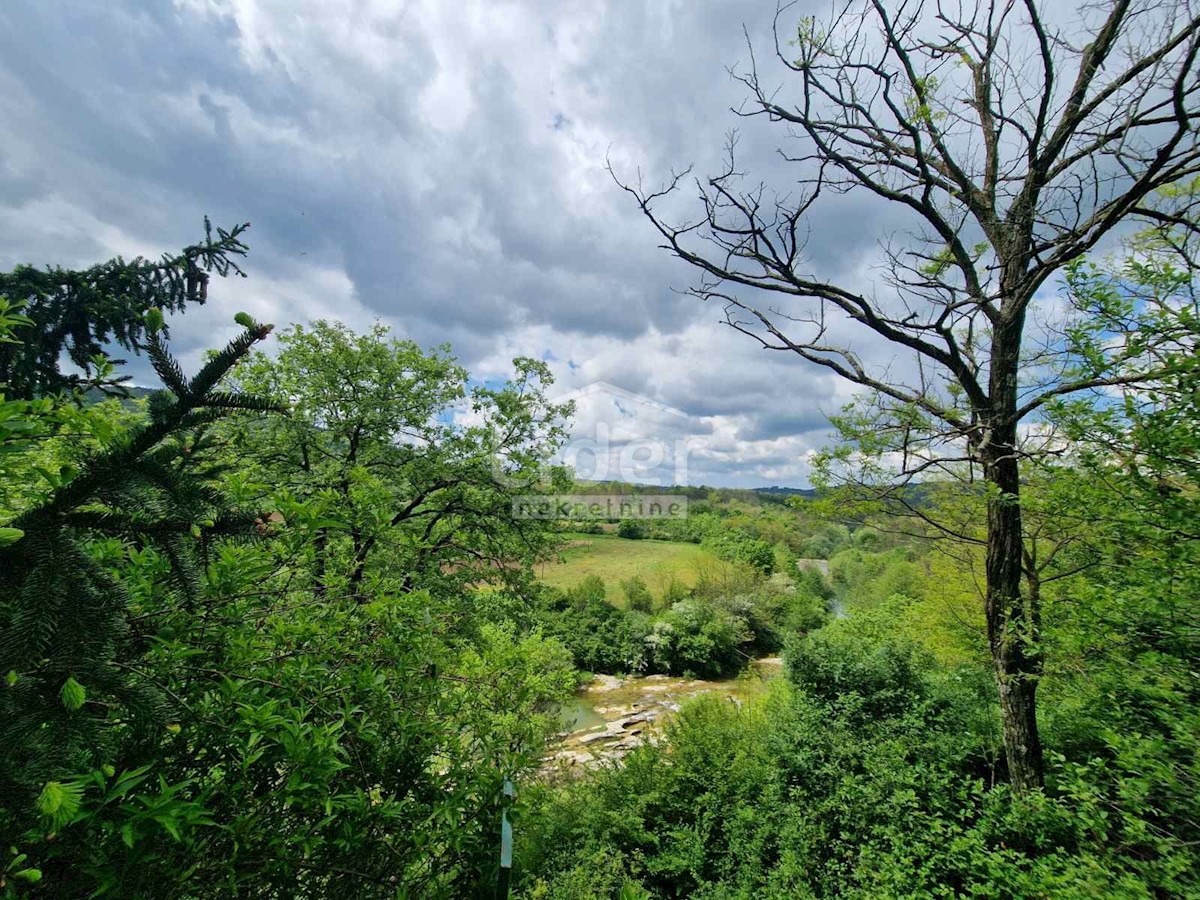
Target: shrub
(601,637)
(697,639)
(637,595)
(842,665)
(738,546)
(631,529)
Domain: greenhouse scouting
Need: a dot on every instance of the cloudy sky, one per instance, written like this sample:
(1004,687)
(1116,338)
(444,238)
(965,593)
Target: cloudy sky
(438,166)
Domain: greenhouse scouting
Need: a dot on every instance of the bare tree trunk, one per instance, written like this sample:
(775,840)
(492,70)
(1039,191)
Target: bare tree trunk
(1011,617)
(1011,626)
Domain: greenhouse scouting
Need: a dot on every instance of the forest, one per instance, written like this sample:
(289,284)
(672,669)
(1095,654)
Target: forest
(275,626)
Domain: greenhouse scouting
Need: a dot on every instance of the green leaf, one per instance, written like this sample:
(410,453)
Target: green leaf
(33,876)
(59,802)
(10,536)
(73,694)
(244,319)
(154,320)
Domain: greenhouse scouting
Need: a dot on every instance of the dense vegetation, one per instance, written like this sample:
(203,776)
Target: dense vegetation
(235,625)
(877,769)
(711,630)
(276,630)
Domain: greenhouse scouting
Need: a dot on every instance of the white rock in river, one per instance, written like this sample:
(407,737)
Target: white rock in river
(598,736)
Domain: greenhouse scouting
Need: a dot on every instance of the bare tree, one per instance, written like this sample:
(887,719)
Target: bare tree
(1016,145)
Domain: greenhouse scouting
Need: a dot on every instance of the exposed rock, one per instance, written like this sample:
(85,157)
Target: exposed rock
(601,683)
(598,736)
(617,712)
(632,711)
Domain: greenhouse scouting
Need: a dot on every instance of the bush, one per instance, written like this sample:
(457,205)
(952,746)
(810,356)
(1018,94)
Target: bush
(736,545)
(698,639)
(674,592)
(864,579)
(840,664)
(601,637)
(825,543)
(590,590)
(637,595)
(631,529)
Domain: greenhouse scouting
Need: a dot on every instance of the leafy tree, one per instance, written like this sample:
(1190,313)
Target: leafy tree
(601,637)
(80,313)
(736,545)
(985,129)
(637,594)
(590,590)
(698,639)
(825,542)
(187,714)
(391,485)
(631,529)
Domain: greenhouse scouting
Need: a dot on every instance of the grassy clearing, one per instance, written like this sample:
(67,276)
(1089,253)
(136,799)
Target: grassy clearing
(615,559)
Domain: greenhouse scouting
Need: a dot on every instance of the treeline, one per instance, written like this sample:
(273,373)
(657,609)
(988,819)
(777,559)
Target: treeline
(763,536)
(274,630)
(711,630)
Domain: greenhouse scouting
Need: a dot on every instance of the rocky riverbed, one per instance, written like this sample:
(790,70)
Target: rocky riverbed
(611,716)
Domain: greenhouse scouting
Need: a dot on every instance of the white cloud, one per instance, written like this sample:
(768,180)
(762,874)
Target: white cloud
(439,166)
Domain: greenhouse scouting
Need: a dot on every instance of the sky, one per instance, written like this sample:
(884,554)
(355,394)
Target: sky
(440,167)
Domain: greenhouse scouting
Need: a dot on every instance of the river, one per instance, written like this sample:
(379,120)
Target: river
(610,716)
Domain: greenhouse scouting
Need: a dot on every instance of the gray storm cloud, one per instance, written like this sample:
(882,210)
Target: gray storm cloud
(440,167)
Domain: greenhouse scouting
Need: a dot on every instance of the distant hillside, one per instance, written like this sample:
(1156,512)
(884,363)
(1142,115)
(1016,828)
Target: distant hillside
(694,491)
(136,392)
(777,491)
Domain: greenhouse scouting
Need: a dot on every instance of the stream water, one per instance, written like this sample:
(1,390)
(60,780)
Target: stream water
(610,716)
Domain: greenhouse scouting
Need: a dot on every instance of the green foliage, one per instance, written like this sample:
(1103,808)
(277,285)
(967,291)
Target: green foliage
(387,481)
(300,655)
(871,777)
(697,639)
(65,620)
(589,591)
(866,579)
(631,529)
(711,632)
(73,694)
(877,771)
(188,714)
(600,637)
(859,668)
(825,543)
(737,545)
(637,595)
(79,313)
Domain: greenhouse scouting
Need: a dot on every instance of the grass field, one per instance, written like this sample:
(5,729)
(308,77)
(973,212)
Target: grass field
(615,559)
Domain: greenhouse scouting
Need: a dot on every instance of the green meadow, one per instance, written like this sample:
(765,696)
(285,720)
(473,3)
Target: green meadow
(617,559)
